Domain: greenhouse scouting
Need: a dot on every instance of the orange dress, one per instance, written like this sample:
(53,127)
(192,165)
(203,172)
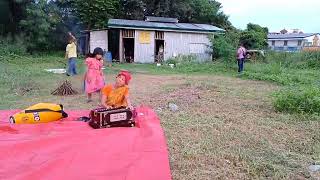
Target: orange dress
(116,97)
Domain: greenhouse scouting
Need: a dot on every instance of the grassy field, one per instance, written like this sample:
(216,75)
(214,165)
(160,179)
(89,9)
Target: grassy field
(227,126)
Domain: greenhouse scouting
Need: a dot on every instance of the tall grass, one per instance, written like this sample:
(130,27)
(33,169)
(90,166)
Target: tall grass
(298,100)
(298,72)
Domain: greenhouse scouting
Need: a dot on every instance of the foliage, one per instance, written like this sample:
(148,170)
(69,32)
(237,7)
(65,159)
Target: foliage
(11,12)
(189,11)
(12,46)
(298,72)
(254,37)
(223,49)
(95,13)
(286,68)
(41,20)
(208,11)
(298,100)
(43,24)
(132,9)
(224,46)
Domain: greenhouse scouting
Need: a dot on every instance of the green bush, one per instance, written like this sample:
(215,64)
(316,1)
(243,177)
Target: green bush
(224,47)
(298,100)
(12,46)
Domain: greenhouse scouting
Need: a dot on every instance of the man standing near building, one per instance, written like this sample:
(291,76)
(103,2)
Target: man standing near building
(241,54)
(71,55)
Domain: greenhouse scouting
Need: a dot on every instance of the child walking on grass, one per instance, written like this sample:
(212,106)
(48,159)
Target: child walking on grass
(94,77)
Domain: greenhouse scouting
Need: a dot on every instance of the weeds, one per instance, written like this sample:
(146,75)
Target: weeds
(298,99)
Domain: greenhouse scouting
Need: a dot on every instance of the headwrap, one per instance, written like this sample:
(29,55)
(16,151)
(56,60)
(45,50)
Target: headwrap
(126,74)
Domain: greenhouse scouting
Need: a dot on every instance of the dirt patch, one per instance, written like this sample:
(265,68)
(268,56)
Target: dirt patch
(225,128)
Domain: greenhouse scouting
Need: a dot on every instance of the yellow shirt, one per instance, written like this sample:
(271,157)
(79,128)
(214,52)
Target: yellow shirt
(71,50)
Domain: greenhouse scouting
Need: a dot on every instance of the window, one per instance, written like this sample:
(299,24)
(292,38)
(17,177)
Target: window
(308,43)
(128,33)
(299,42)
(285,43)
(159,35)
(273,43)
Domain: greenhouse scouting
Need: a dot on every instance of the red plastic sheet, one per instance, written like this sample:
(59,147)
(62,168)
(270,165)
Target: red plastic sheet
(70,149)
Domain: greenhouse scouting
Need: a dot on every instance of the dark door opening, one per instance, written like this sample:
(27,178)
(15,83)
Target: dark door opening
(128,49)
(113,43)
(159,51)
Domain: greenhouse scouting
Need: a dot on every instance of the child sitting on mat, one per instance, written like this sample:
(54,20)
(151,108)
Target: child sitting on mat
(117,95)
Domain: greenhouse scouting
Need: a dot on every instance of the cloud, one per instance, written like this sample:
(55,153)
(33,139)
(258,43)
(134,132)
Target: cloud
(275,14)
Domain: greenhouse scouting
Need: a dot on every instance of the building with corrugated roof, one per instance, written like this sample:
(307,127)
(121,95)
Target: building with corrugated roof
(292,41)
(155,37)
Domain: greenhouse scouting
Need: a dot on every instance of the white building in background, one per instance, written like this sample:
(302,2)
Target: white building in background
(292,41)
(141,41)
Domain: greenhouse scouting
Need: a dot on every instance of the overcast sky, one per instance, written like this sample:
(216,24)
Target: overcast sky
(274,14)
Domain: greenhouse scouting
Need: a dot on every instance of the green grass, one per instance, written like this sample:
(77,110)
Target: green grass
(231,132)
(302,100)
(187,68)
(278,73)
(297,72)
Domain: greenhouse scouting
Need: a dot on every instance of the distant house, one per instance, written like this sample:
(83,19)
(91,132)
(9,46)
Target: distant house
(141,41)
(292,41)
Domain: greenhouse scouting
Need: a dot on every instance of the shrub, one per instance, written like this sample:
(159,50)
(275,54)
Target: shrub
(298,100)
(10,45)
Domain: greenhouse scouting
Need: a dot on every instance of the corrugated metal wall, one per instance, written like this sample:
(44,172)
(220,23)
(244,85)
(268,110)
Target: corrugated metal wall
(176,43)
(187,44)
(98,39)
(144,53)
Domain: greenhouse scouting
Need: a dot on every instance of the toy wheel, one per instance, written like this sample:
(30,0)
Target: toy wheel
(108,126)
(11,120)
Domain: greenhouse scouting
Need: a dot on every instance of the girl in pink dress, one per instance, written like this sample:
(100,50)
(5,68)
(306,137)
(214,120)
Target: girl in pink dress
(94,78)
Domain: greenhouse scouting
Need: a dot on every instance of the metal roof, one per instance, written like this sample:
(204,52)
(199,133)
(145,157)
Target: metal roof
(147,25)
(161,19)
(290,36)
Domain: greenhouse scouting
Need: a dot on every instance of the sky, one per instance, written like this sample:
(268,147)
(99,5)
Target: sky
(274,14)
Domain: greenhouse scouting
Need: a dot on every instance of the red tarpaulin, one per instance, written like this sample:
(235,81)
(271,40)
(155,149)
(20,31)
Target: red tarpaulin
(70,149)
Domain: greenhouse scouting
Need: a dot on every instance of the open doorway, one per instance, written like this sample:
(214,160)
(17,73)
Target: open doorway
(113,43)
(128,45)
(128,49)
(159,47)
(159,51)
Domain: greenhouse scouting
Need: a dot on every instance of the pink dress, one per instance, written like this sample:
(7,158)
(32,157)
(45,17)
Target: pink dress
(94,80)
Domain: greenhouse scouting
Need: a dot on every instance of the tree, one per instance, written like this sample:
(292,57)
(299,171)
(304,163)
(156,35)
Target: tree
(187,11)
(254,36)
(11,12)
(157,7)
(225,45)
(41,19)
(209,12)
(69,23)
(95,13)
(132,9)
